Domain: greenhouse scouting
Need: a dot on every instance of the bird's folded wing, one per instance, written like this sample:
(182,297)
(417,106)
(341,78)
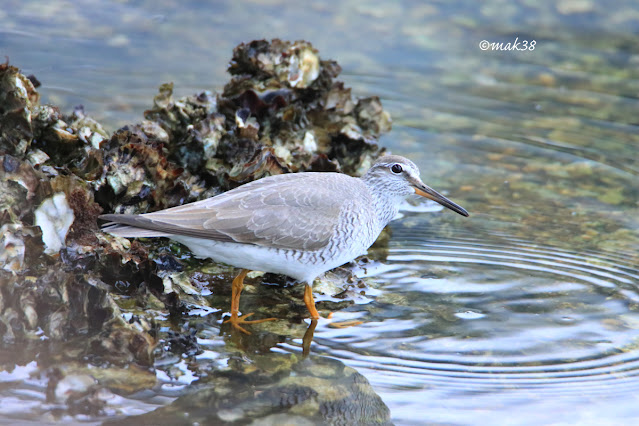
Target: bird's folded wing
(277,212)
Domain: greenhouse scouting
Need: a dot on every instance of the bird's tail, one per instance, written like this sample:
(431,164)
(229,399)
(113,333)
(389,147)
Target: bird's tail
(115,227)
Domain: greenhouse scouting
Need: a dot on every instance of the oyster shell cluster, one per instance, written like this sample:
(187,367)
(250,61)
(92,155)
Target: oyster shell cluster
(62,280)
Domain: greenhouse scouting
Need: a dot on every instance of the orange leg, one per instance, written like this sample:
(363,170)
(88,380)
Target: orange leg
(310,302)
(236,320)
(345,324)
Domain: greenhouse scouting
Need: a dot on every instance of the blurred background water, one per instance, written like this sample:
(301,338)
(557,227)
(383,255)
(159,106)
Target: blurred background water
(525,313)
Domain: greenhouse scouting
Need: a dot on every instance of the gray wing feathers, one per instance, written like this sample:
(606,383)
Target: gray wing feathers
(131,231)
(278,212)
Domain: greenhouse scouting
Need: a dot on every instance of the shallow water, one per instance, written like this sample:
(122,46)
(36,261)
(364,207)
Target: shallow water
(472,325)
(524,313)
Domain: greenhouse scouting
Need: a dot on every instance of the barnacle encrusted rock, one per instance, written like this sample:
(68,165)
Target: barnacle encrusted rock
(18,98)
(281,112)
(99,297)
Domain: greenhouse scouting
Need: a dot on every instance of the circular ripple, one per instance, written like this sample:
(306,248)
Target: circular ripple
(495,315)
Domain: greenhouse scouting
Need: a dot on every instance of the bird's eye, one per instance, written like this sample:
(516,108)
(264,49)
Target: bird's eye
(396,168)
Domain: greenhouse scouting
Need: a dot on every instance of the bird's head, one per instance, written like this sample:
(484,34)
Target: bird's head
(398,177)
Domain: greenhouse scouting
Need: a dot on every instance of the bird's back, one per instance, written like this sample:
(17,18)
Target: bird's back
(301,212)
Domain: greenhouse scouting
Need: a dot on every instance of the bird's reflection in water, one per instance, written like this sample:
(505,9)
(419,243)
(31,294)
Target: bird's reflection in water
(308,338)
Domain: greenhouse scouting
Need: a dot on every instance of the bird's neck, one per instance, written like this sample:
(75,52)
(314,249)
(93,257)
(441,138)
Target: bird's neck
(385,205)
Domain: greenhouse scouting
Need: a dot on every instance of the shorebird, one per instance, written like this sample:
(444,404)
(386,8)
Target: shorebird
(299,224)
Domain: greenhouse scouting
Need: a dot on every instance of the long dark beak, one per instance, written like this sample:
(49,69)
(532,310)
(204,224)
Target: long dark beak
(430,193)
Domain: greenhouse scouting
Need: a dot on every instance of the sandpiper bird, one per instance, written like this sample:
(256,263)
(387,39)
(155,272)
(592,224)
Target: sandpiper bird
(299,224)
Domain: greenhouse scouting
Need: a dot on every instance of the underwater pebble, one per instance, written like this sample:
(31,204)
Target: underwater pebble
(469,315)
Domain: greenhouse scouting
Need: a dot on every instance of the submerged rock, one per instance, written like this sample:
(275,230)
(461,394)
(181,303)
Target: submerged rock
(273,390)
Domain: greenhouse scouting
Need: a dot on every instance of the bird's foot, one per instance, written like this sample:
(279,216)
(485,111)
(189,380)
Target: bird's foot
(236,320)
(345,324)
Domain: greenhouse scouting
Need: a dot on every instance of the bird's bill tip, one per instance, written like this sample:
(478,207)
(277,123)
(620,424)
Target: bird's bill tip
(431,194)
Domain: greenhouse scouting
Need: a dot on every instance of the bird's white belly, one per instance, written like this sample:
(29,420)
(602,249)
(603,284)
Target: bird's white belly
(304,268)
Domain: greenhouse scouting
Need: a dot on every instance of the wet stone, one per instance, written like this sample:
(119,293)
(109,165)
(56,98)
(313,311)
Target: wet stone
(248,395)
